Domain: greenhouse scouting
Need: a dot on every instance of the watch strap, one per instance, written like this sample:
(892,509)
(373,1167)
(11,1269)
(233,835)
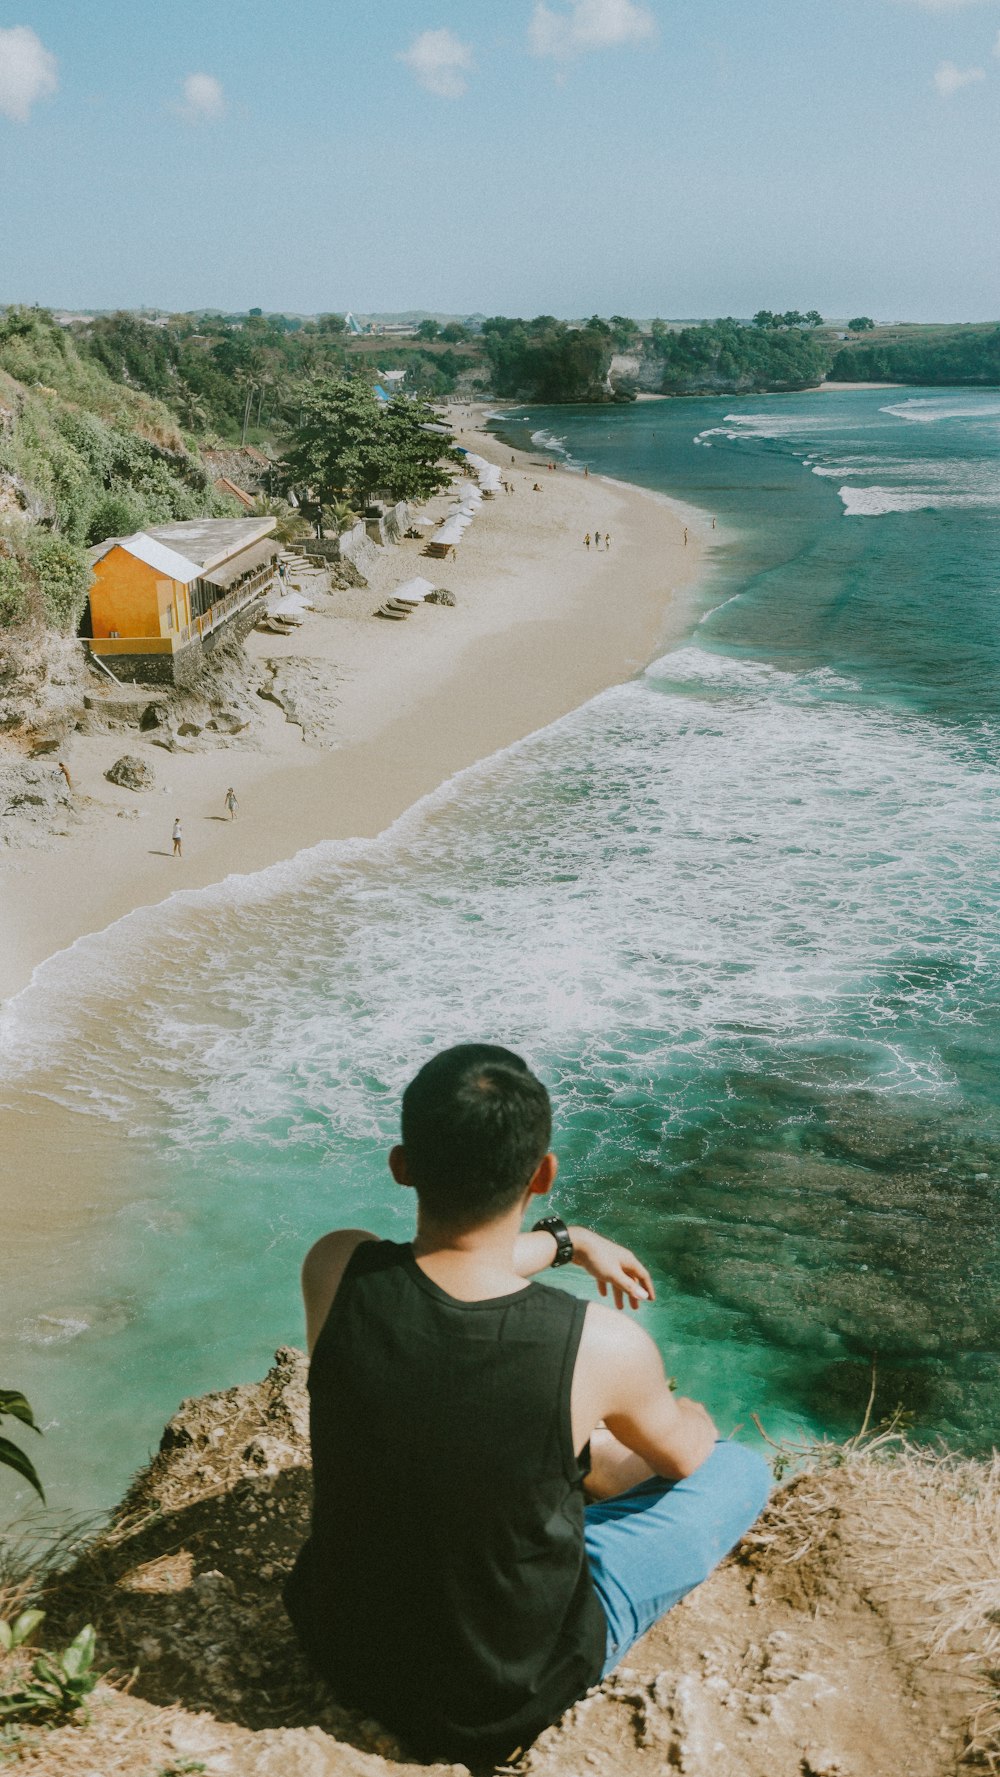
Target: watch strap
(555,1226)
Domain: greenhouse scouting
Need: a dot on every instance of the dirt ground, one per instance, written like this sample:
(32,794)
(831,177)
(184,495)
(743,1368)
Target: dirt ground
(853,1634)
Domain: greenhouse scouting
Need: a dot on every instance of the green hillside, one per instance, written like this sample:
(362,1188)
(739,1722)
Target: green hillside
(959,355)
(82,457)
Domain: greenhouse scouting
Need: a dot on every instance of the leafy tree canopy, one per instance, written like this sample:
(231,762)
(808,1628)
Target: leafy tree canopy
(349,444)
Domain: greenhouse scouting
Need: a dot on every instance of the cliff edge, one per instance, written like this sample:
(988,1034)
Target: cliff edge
(852,1635)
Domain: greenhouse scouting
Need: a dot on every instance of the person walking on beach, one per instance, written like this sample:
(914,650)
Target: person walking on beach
(64,768)
(177,838)
(685,536)
(507,1494)
(587,540)
(607,539)
(597,539)
(231,802)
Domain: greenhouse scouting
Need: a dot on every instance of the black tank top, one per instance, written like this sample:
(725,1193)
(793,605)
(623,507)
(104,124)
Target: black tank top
(444,1588)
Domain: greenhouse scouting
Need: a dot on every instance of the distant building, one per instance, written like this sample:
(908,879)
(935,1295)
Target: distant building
(164,596)
(223,485)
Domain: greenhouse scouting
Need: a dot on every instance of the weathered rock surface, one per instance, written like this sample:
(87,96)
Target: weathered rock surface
(307,692)
(131,773)
(808,1652)
(440,596)
(35,802)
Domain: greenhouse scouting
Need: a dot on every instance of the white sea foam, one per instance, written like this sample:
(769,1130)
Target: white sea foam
(875,502)
(549,441)
(716,850)
(928,411)
(53,1329)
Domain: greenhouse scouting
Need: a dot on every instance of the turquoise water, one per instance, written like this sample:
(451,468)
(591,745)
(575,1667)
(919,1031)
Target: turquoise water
(741,913)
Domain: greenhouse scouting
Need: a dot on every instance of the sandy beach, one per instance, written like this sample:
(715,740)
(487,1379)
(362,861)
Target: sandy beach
(541,624)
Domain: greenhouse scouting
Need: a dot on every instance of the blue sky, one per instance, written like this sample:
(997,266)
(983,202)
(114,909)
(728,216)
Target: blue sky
(640,156)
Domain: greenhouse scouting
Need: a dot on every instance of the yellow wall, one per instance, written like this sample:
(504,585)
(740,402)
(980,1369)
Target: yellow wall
(132,598)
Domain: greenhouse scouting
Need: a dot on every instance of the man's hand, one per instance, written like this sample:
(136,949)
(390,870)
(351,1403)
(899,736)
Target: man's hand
(614,1267)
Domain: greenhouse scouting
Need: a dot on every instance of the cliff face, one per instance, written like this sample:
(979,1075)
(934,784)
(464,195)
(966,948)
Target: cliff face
(809,1652)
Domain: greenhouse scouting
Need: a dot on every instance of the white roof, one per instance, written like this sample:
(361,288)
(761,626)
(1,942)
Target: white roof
(159,557)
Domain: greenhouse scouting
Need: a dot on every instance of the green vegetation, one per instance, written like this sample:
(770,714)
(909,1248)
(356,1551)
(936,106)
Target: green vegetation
(81,458)
(236,374)
(730,357)
(545,360)
(57,1685)
(345,445)
(766,318)
(968,356)
(13,1405)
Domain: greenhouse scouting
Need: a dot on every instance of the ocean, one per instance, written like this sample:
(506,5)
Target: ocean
(741,914)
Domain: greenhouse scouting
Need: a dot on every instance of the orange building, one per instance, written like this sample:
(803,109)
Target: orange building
(162,597)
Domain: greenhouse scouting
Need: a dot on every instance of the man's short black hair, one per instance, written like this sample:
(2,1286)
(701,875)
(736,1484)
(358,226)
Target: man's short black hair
(476,1124)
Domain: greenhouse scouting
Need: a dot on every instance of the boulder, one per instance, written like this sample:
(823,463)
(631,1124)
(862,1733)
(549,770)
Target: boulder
(440,596)
(131,773)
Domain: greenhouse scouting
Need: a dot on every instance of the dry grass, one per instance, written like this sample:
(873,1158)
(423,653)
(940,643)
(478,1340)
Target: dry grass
(929,1538)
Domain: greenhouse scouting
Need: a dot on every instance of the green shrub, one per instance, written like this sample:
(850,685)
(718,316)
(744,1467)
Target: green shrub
(58,1685)
(115,515)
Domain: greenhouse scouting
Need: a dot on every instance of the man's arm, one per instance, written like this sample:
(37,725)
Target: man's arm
(324,1266)
(623,1384)
(613,1266)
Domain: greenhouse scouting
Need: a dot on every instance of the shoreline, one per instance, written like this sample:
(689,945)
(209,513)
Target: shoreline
(541,626)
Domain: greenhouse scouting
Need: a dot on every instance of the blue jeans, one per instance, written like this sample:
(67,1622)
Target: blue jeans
(651,1545)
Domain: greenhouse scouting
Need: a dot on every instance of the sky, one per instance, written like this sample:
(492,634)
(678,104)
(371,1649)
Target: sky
(644,157)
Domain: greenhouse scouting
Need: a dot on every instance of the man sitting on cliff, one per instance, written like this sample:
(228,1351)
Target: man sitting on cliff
(456,1584)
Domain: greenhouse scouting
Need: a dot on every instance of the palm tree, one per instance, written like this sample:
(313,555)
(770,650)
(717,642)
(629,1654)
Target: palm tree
(340,516)
(290,526)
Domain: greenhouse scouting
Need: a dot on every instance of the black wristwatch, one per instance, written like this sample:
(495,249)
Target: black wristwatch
(555,1226)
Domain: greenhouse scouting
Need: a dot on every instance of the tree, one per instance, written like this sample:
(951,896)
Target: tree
(427,330)
(332,324)
(764,318)
(813,318)
(290,526)
(861,324)
(415,469)
(454,333)
(347,444)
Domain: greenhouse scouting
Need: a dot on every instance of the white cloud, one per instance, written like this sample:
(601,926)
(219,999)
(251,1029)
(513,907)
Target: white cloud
(204,99)
(950,80)
(588,24)
(440,61)
(27,72)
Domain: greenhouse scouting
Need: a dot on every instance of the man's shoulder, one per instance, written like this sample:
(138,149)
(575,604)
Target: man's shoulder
(324,1267)
(610,1334)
